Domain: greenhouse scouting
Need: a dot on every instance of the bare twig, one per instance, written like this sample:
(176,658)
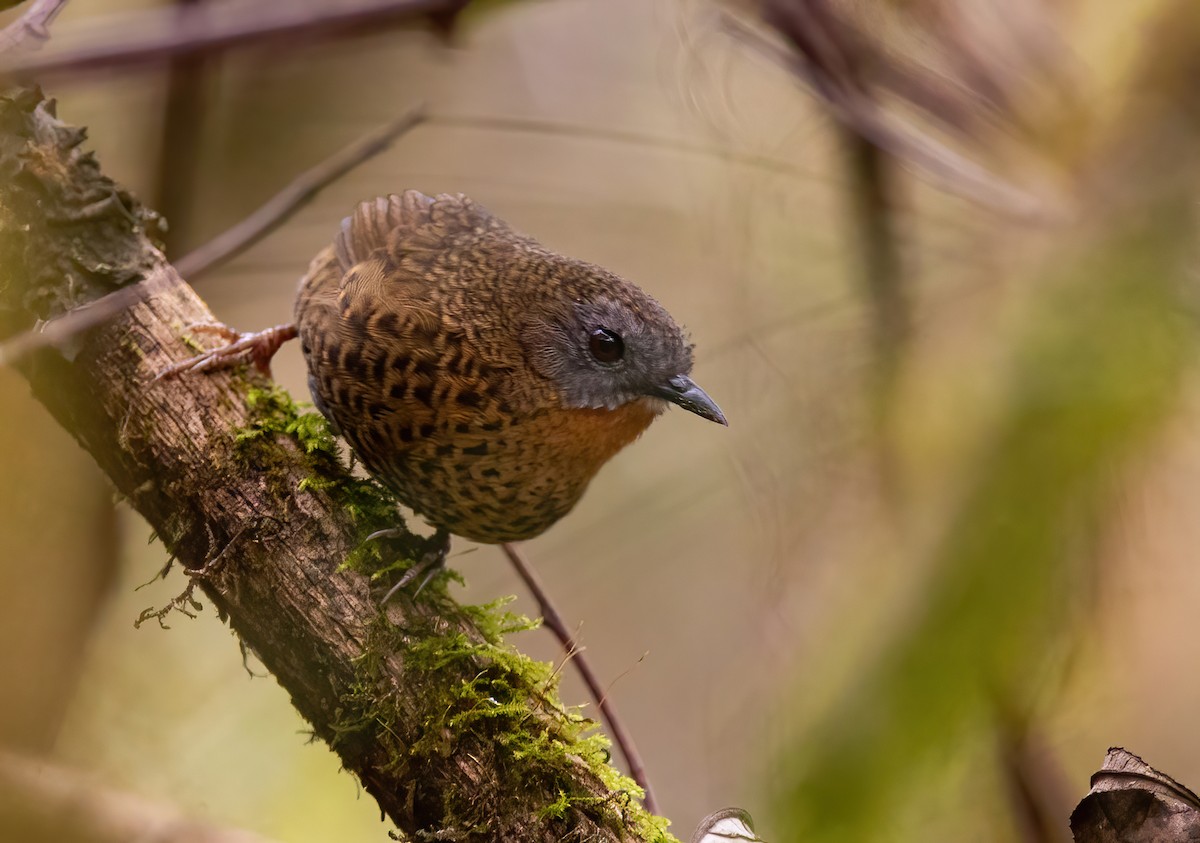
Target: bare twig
(30,31)
(505,123)
(233,241)
(58,332)
(160,34)
(558,626)
(280,207)
(852,102)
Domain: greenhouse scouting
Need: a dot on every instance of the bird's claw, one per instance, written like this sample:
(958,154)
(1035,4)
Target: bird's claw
(389,533)
(431,563)
(257,347)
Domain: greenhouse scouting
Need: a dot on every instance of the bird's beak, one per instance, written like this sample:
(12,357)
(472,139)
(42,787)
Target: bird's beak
(683,391)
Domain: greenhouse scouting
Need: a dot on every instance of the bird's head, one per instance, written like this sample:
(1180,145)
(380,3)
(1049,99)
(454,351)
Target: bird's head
(605,343)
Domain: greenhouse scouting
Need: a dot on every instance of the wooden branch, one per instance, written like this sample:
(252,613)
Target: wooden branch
(298,192)
(828,57)
(43,801)
(160,34)
(229,243)
(448,728)
(29,32)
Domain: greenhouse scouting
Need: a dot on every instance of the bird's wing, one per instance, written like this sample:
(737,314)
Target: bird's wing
(411,255)
(411,222)
(406,265)
(412,303)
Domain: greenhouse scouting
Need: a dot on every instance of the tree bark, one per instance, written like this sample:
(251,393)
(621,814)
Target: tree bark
(449,729)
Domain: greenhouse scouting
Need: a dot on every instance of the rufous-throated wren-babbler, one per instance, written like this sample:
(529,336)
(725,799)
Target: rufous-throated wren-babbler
(480,376)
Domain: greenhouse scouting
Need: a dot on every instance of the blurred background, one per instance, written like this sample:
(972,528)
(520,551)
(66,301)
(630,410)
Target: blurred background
(942,557)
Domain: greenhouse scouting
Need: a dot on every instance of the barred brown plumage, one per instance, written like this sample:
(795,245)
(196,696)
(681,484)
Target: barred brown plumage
(446,348)
(482,377)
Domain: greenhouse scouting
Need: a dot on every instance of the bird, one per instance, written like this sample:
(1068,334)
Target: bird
(481,377)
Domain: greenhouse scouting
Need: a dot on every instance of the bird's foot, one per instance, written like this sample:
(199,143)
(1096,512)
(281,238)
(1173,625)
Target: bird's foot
(257,348)
(389,533)
(431,563)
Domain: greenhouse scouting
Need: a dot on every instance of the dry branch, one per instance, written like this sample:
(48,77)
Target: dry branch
(28,32)
(448,729)
(280,207)
(937,118)
(226,245)
(161,34)
(574,652)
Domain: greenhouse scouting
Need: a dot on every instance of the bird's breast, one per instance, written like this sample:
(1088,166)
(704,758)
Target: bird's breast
(585,439)
(512,484)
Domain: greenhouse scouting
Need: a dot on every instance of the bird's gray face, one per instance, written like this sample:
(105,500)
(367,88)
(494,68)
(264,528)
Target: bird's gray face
(616,346)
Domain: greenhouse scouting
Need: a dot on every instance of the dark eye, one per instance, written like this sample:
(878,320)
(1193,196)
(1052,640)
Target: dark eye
(606,346)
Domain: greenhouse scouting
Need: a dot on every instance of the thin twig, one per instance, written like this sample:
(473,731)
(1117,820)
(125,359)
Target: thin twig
(555,623)
(160,34)
(947,169)
(61,330)
(504,123)
(233,241)
(280,207)
(30,31)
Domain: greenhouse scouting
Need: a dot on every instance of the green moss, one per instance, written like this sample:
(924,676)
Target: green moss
(480,694)
(557,809)
(483,697)
(275,413)
(275,416)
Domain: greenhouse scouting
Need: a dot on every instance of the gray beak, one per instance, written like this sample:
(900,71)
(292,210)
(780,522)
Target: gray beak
(683,391)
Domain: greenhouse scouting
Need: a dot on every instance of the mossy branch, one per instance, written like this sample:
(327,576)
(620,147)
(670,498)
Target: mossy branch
(450,729)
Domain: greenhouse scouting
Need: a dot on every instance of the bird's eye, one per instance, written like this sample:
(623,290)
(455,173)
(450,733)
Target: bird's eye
(606,346)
